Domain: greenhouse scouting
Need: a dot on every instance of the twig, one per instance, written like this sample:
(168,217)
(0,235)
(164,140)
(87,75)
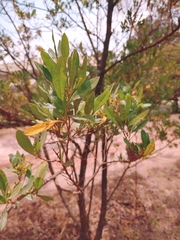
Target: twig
(59,189)
(118,183)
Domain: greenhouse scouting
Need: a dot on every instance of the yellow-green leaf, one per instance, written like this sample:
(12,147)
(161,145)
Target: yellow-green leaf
(24,142)
(38,183)
(85,88)
(101,99)
(41,170)
(40,127)
(49,63)
(150,148)
(3,181)
(138,118)
(64,46)
(3,219)
(45,198)
(2,200)
(15,193)
(59,78)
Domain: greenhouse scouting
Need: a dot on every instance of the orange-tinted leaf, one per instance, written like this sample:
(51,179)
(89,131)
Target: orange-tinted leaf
(40,127)
(149,149)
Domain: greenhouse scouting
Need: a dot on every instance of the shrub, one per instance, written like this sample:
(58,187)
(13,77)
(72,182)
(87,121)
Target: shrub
(82,126)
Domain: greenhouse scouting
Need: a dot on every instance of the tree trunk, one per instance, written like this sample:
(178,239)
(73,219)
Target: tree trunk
(102,218)
(85,231)
(100,85)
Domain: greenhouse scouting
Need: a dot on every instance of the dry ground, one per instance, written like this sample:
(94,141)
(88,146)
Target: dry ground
(145,207)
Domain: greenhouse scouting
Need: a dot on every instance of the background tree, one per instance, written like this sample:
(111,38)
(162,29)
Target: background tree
(123,40)
(124,28)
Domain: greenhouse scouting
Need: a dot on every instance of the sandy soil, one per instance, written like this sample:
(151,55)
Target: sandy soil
(147,205)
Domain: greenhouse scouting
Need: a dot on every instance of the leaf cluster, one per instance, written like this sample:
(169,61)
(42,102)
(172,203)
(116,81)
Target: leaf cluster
(69,110)
(29,182)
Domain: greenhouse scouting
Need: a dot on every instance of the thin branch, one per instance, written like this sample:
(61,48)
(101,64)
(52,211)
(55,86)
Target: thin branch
(92,185)
(102,65)
(27,53)
(143,49)
(16,62)
(59,189)
(77,146)
(69,177)
(87,31)
(118,183)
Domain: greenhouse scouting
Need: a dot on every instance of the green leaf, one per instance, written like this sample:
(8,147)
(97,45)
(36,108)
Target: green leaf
(38,147)
(43,94)
(135,148)
(145,138)
(2,200)
(127,142)
(101,99)
(43,136)
(45,198)
(68,164)
(53,39)
(138,118)
(15,159)
(60,78)
(52,54)
(49,63)
(33,12)
(37,112)
(44,71)
(64,46)
(89,105)
(3,181)
(137,84)
(82,72)
(28,173)
(128,102)
(38,183)
(15,191)
(27,187)
(73,65)
(85,118)
(3,219)
(85,88)
(59,104)
(139,95)
(24,142)
(29,197)
(76,106)
(140,125)
(41,170)
(121,94)
(110,114)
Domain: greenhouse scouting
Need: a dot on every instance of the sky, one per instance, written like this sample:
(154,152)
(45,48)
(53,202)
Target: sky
(75,35)
(6,26)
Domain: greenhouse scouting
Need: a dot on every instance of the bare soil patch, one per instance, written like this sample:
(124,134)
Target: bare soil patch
(144,208)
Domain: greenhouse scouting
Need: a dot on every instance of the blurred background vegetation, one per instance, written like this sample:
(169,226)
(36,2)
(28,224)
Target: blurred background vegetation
(126,42)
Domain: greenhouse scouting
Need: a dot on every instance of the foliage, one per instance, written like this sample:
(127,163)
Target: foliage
(134,45)
(28,183)
(70,102)
(78,122)
(10,107)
